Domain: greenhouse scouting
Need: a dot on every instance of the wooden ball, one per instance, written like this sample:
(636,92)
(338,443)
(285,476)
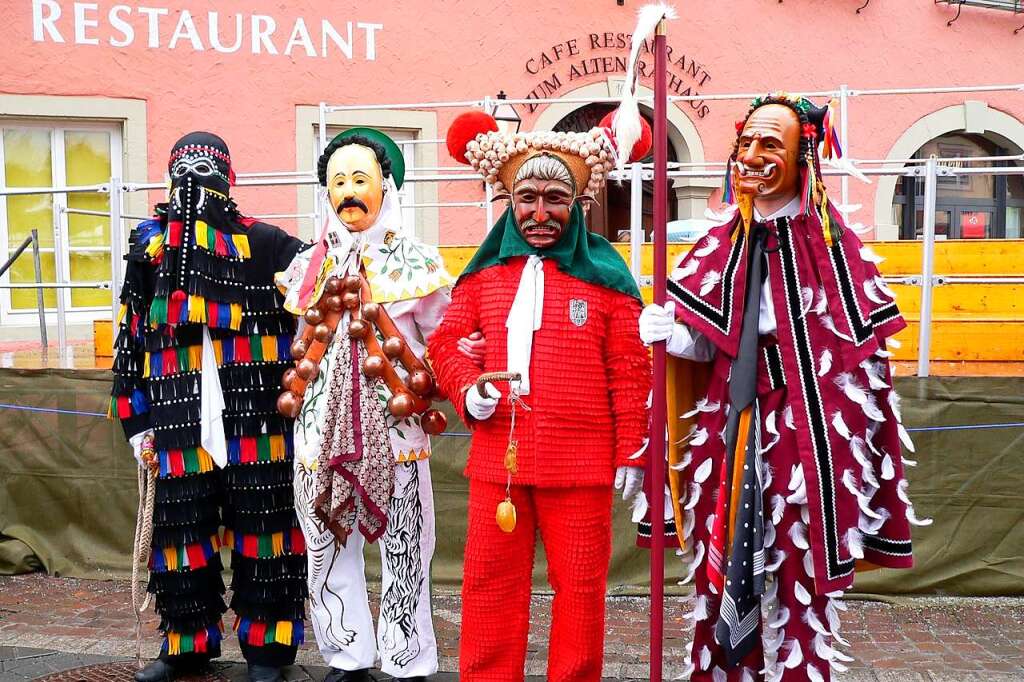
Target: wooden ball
(298,349)
(421,383)
(333,303)
(358,329)
(393,346)
(373,366)
(288,377)
(350,299)
(353,283)
(314,316)
(371,311)
(401,405)
(289,404)
(323,333)
(434,422)
(307,369)
(332,286)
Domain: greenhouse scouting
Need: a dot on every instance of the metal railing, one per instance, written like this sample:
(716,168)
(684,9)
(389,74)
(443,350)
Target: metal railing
(32,240)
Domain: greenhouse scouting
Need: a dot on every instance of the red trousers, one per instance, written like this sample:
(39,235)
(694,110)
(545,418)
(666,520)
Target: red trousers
(575,526)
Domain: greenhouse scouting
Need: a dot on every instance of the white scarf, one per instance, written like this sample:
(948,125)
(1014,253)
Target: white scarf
(212,406)
(524,318)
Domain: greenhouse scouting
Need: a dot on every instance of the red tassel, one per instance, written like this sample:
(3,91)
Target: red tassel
(177,462)
(200,641)
(249,546)
(196,559)
(124,407)
(257,633)
(248,447)
(174,233)
(243,352)
(174,303)
(298,541)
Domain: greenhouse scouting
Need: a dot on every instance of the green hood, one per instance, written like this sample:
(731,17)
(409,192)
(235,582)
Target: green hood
(579,253)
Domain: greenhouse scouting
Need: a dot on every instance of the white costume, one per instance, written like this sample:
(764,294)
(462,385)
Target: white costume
(409,280)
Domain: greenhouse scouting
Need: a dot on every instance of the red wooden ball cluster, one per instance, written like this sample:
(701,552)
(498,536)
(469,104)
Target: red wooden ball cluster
(412,396)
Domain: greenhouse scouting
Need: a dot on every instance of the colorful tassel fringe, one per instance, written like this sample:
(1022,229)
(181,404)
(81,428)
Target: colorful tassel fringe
(178,463)
(204,641)
(264,448)
(259,633)
(192,556)
(267,545)
(125,406)
(728,196)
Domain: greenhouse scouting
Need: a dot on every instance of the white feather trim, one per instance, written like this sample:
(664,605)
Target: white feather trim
(837,666)
(695,564)
(811,618)
(849,386)
(769,535)
(639,508)
(839,424)
(809,564)
(694,495)
(805,514)
(747,675)
(709,281)
(702,406)
(689,520)
(857,447)
(798,497)
(700,609)
(870,256)
(807,300)
(875,372)
(870,526)
(855,543)
(828,323)
(813,675)
(798,534)
(778,508)
(884,288)
(824,362)
(709,523)
(684,462)
(778,556)
(870,408)
(821,305)
(888,468)
(705,657)
(832,616)
(699,437)
(795,656)
(796,477)
(909,462)
(914,520)
(894,405)
(905,438)
(710,245)
(686,269)
(719,675)
(871,291)
(779,618)
(893,342)
(801,594)
(787,417)
(703,471)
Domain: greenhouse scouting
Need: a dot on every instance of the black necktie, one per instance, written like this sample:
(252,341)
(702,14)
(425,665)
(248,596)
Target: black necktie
(739,616)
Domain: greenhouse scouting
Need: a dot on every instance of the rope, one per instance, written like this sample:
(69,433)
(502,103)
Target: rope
(142,549)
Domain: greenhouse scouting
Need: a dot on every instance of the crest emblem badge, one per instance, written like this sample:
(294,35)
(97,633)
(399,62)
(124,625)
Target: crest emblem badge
(578,311)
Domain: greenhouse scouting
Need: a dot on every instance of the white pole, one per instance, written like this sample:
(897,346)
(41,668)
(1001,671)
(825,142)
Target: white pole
(844,139)
(636,220)
(927,268)
(116,247)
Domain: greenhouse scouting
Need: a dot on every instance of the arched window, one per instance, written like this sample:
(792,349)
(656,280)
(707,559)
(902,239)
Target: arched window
(967,206)
(611,217)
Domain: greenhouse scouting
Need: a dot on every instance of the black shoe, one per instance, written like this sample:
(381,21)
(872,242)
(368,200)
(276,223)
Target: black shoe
(336,675)
(418,678)
(157,671)
(264,673)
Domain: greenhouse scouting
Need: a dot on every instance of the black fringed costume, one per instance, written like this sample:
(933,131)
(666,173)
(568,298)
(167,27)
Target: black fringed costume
(200,265)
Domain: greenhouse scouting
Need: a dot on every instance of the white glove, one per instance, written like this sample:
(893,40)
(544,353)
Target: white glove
(630,480)
(481,407)
(657,323)
(136,443)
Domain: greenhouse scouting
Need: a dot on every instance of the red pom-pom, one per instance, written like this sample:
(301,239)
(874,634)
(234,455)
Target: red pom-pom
(642,147)
(464,129)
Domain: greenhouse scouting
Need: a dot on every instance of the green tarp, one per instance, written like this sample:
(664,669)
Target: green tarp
(68,488)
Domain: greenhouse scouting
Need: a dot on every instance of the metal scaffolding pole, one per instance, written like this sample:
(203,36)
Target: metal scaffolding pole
(116,246)
(927,267)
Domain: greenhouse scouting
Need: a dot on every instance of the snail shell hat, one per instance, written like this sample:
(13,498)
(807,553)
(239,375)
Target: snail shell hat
(474,139)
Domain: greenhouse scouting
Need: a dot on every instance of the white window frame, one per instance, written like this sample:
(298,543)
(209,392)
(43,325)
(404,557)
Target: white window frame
(59,225)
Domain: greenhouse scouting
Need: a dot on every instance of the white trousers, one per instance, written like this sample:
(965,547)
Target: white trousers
(339,605)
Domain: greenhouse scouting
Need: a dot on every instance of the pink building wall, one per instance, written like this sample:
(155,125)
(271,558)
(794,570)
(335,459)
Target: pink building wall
(464,50)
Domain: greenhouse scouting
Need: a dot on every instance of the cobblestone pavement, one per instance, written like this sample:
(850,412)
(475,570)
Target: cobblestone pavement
(51,624)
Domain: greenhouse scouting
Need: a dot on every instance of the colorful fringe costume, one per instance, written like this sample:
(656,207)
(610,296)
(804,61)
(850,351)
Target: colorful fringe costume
(777,510)
(199,308)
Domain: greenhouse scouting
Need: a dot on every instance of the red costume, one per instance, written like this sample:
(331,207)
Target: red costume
(587,415)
